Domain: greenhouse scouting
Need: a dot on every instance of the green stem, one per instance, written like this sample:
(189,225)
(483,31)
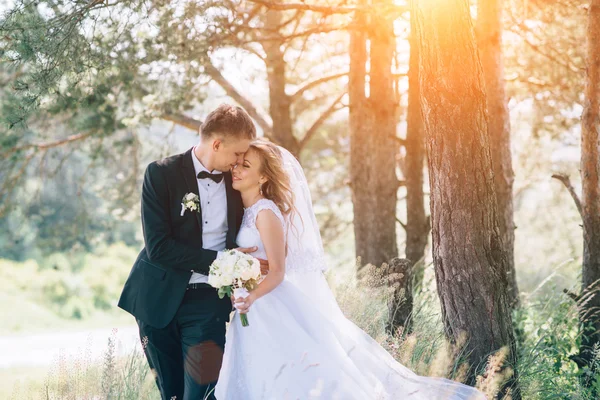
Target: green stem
(244,319)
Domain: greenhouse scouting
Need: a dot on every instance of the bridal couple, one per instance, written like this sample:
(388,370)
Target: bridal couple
(254,197)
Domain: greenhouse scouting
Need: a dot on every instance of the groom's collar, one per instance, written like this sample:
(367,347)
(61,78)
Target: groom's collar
(198,166)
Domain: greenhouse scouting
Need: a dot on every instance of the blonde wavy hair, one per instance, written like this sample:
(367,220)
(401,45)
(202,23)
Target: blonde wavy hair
(277,187)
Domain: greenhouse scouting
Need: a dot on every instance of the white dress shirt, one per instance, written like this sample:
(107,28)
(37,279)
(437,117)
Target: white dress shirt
(213,200)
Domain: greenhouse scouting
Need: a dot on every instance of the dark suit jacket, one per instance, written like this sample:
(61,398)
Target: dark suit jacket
(173,243)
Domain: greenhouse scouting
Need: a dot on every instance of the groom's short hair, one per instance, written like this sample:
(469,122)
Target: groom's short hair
(229,121)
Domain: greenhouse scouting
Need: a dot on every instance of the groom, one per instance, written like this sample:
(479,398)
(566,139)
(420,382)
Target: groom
(180,317)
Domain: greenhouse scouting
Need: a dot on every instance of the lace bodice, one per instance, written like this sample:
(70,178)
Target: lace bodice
(248,236)
(298,259)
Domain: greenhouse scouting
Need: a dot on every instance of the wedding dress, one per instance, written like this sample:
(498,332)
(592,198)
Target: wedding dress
(298,344)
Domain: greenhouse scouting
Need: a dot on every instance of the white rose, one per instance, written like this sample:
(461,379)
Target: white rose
(256,267)
(214,281)
(247,274)
(215,266)
(228,265)
(227,280)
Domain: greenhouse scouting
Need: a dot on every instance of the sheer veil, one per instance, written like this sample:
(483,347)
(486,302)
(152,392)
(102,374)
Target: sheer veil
(305,261)
(305,264)
(305,247)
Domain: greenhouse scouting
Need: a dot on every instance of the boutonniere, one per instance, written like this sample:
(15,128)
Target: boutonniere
(191,202)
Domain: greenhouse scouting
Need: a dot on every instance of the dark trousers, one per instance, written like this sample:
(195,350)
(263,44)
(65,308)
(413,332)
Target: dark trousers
(186,355)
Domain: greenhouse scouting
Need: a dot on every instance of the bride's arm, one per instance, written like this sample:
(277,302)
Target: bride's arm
(271,234)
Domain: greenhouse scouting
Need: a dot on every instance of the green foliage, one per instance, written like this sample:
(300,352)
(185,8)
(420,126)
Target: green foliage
(68,210)
(68,287)
(545,61)
(98,63)
(550,329)
(225,291)
(78,77)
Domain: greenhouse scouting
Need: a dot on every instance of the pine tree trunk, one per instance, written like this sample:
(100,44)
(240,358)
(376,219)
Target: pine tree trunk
(417,223)
(372,148)
(468,254)
(489,41)
(589,302)
(279,101)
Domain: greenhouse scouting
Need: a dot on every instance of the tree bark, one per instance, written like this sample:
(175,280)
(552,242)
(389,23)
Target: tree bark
(400,302)
(417,223)
(489,41)
(279,101)
(468,254)
(372,148)
(589,302)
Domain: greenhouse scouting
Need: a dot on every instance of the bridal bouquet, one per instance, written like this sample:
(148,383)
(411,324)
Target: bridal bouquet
(234,272)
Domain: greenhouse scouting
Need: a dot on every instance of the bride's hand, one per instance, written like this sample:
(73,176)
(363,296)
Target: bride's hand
(243,304)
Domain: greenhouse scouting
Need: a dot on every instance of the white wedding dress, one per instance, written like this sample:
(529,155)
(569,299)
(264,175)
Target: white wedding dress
(299,345)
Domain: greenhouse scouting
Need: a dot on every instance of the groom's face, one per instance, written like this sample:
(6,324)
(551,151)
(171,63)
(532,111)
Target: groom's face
(229,152)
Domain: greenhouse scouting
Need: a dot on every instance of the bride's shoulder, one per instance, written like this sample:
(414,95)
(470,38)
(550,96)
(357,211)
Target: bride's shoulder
(267,204)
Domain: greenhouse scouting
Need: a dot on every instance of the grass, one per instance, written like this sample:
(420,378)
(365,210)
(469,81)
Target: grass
(547,320)
(84,378)
(65,293)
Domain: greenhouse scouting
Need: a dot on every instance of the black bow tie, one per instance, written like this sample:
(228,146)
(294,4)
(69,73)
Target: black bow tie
(215,177)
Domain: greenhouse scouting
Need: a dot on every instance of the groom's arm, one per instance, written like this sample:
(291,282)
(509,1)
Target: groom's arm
(161,246)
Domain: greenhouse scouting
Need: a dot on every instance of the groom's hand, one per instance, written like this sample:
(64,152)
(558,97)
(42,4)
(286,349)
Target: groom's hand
(264,266)
(247,249)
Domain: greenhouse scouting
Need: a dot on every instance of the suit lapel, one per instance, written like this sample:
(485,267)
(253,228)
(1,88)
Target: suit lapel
(189,175)
(232,210)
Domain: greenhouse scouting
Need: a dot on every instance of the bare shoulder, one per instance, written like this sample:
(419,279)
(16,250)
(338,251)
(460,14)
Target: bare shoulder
(268,220)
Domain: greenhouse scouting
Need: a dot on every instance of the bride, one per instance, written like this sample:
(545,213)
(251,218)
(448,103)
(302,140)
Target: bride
(299,345)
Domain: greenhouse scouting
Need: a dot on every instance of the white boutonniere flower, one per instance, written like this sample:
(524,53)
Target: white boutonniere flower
(191,202)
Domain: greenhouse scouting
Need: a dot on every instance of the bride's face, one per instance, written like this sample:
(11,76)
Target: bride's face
(247,176)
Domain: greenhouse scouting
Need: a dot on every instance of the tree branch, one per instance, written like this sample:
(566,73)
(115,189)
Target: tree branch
(567,182)
(284,38)
(519,28)
(575,297)
(401,223)
(314,83)
(185,121)
(400,141)
(320,9)
(232,92)
(315,126)
(49,145)
(304,7)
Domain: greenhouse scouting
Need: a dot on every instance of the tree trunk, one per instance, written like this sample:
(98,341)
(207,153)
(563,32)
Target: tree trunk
(279,101)
(417,223)
(400,302)
(589,302)
(489,41)
(468,254)
(372,146)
